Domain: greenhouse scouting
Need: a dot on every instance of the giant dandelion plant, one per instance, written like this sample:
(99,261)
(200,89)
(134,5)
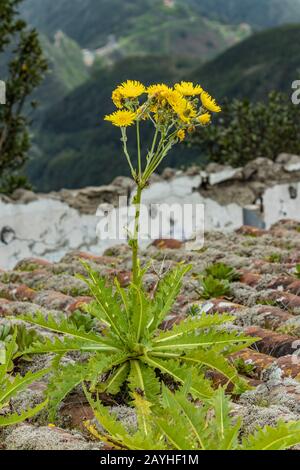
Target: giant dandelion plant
(126,350)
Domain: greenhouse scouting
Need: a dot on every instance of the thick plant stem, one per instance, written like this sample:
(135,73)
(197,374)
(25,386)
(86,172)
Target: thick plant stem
(138,138)
(135,240)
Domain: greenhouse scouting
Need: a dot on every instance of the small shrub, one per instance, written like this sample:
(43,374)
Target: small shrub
(274,258)
(222,271)
(248,130)
(212,288)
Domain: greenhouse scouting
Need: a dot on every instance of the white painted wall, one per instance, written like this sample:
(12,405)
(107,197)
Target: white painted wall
(278,203)
(49,228)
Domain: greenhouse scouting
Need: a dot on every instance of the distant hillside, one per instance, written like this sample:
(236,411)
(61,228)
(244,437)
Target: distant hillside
(66,69)
(267,61)
(76,148)
(257,13)
(134,27)
(90,22)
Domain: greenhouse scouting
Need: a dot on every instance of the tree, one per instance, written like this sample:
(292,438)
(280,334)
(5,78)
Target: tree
(248,130)
(25,67)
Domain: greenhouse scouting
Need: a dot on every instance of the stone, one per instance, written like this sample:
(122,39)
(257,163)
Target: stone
(227,174)
(28,437)
(168,243)
(215,167)
(251,231)
(272,343)
(24,196)
(168,173)
(290,162)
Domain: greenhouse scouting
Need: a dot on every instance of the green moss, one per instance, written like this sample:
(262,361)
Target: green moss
(274,258)
(243,367)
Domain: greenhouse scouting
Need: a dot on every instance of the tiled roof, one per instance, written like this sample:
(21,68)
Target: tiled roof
(265,301)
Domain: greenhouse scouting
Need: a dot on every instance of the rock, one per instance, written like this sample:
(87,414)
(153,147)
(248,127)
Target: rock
(225,175)
(31,264)
(123,182)
(293,164)
(24,196)
(262,168)
(27,437)
(155,178)
(283,158)
(257,417)
(87,200)
(251,231)
(193,171)
(168,173)
(215,167)
(168,243)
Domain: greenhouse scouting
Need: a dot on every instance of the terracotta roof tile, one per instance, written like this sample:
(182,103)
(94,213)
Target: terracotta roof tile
(265,303)
(274,344)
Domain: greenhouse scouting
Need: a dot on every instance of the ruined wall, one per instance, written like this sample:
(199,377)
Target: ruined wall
(51,225)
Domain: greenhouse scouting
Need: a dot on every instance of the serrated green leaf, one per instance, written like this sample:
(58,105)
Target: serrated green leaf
(213,361)
(200,387)
(207,339)
(139,311)
(166,293)
(63,381)
(143,378)
(190,417)
(9,352)
(68,328)
(15,418)
(102,363)
(116,379)
(177,439)
(191,324)
(14,385)
(108,302)
(56,345)
(224,434)
(281,437)
(144,414)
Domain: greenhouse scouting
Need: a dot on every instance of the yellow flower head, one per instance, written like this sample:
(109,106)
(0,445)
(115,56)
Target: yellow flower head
(122,118)
(117,98)
(157,89)
(209,103)
(131,89)
(204,118)
(184,109)
(181,135)
(188,89)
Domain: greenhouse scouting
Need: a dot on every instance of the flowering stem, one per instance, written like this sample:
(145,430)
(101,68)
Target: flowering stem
(159,155)
(139,149)
(149,168)
(134,241)
(124,140)
(151,153)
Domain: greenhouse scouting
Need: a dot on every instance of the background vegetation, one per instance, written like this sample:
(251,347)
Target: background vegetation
(236,49)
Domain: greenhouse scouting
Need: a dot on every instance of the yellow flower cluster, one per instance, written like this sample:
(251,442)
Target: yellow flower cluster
(181,108)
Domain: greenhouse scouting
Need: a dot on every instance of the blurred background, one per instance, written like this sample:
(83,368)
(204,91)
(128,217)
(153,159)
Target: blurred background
(60,61)
(236,49)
